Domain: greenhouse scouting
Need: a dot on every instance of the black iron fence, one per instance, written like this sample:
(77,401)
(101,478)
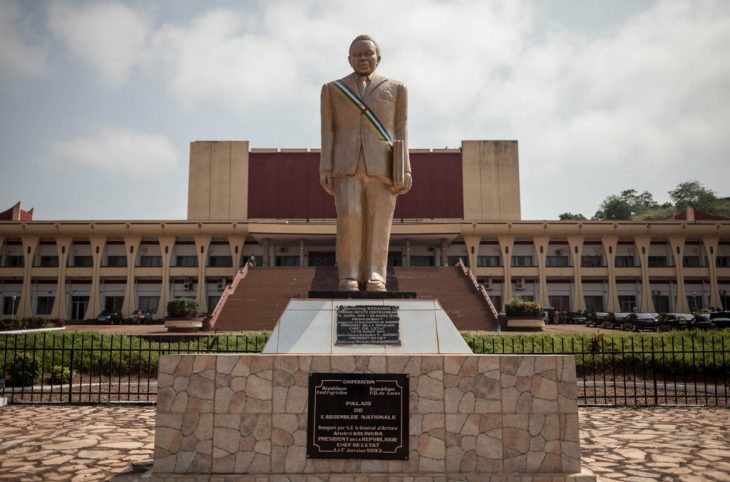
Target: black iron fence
(616,370)
(92,368)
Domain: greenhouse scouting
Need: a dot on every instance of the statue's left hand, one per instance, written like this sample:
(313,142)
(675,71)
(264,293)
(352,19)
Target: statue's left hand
(407,184)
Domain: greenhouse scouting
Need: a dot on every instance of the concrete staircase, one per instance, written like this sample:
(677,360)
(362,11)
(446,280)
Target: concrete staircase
(453,290)
(257,300)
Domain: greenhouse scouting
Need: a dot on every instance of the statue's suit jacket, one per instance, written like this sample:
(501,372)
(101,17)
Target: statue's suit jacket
(345,130)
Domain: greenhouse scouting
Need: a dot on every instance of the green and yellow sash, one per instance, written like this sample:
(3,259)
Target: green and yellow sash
(365,110)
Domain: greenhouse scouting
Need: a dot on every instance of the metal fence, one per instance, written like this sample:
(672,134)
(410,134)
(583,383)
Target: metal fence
(628,371)
(92,368)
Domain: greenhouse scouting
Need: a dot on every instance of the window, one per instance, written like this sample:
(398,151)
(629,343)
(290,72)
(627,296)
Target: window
(116,261)
(186,261)
(148,303)
(454,260)
(661,303)
(113,303)
(723,261)
(658,261)
(594,303)
(287,261)
(695,302)
(489,261)
(422,261)
(591,261)
(557,261)
(44,305)
(624,261)
(627,303)
(83,261)
(150,261)
(692,261)
(220,261)
(212,302)
(560,302)
(10,305)
(48,261)
(14,261)
(522,261)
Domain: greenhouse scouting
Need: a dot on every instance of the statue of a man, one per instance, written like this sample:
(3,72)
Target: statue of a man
(363,118)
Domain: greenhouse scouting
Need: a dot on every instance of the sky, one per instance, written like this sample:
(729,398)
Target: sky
(100,100)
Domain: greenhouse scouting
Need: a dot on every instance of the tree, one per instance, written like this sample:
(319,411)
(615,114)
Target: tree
(693,193)
(639,202)
(613,208)
(572,217)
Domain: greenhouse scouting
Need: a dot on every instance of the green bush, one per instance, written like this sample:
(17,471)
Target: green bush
(60,375)
(181,307)
(22,370)
(518,307)
(28,323)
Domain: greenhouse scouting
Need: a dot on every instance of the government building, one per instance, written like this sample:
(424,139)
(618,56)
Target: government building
(265,208)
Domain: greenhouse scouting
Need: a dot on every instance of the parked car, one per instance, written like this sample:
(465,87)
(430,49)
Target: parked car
(641,321)
(616,321)
(110,317)
(600,319)
(702,321)
(720,319)
(140,317)
(678,321)
(576,318)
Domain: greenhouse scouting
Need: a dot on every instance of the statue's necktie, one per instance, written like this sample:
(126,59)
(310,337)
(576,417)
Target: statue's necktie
(363,86)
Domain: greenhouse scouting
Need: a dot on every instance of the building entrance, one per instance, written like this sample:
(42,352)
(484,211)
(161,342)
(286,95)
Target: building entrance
(78,307)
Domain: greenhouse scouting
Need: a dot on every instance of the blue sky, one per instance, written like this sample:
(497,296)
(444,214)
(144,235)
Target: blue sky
(100,100)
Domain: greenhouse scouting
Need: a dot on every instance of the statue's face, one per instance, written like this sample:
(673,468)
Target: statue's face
(364,57)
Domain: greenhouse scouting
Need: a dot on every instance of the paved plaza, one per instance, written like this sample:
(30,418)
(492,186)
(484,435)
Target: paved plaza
(54,443)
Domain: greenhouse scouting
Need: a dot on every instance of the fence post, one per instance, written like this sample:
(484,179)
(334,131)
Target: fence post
(653,371)
(70,370)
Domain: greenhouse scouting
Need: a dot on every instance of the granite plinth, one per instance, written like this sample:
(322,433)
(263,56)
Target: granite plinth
(471,417)
(364,295)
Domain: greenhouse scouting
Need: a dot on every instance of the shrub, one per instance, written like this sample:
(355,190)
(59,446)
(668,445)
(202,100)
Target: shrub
(181,307)
(518,307)
(60,375)
(22,370)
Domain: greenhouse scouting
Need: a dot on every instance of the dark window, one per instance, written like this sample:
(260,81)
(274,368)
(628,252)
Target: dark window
(692,262)
(148,303)
(14,261)
(723,261)
(627,303)
(150,261)
(594,303)
(48,262)
(453,260)
(10,305)
(44,305)
(186,261)
(591,261)
(695,302)
(489,261)
(113,303)
(220,261)
(422,261)
(522,261)
(658,261)
(557,261)
(624,262)
(116,261)
(212,302)
(287,261)
(83,261)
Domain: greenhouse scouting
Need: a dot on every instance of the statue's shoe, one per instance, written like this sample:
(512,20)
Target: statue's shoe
(376,285)
(349,285)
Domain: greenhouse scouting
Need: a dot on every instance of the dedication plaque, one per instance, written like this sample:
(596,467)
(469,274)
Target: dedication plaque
(358,416)
(368,325)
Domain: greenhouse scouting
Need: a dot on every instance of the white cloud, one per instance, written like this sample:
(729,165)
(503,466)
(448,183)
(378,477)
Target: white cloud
(120,150)
(108,37)
(16,53)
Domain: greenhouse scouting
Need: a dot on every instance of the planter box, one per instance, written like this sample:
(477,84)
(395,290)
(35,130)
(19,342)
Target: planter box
(526,322)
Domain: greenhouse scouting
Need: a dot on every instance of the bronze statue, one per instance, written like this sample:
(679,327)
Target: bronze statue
(364,163)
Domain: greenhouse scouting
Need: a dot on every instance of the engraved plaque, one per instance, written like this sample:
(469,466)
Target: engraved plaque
(358,416)
(368,324)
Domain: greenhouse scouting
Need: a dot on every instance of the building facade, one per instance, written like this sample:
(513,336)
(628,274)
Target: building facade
(266,205)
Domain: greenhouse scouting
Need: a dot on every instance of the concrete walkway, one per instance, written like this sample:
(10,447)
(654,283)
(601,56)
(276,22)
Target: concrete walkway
(52,443)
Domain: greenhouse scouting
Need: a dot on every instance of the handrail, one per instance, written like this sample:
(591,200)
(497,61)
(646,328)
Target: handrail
(227,292)
(485,296)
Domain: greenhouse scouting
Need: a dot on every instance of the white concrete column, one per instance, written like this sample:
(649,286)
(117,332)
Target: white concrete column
(540,245)
(25,308)
(301,253)
(266,261)
(575,244)
(201,248)
(677,245)
(131,247)
(643,244)
(472,251)
(60,306)
(235,244)
(167,246)
(506,245)
(711,244)
(610,242)
(444,252)
(97,253)
(407,253)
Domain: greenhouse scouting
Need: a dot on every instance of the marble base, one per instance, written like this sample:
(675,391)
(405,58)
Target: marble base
(471,417)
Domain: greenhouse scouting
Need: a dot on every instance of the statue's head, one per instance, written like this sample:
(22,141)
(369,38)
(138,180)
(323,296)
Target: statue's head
(364,55)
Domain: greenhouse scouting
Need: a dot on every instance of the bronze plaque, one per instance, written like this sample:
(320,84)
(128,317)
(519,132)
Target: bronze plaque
(368,325)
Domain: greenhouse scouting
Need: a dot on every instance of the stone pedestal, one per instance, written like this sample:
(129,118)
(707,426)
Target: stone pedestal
(471,417)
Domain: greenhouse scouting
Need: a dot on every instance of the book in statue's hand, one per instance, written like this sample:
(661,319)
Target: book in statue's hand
(399,165)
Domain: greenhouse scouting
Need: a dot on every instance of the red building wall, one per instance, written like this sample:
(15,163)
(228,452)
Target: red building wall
(285,185)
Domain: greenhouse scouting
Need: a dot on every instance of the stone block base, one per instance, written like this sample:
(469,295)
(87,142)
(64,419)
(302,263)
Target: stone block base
(471,417)
(371,478)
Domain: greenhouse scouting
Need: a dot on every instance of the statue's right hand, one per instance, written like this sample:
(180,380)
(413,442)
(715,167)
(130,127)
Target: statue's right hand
(325,179)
